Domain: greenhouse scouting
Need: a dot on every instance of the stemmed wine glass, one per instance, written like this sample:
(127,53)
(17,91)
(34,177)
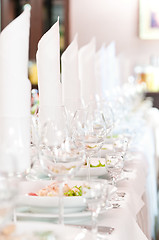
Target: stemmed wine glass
(120,144)
(89,124)
(107,112)
(114,164)
(92,192)
(8,197)
(14,161)
(61,155)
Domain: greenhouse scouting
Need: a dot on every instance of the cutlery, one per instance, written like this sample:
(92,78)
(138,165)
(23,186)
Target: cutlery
(116,205)
(101,229)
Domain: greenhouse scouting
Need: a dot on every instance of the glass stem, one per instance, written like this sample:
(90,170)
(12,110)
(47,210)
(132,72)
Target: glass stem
(94,223)
(61,203)
(114,181)
(88,168)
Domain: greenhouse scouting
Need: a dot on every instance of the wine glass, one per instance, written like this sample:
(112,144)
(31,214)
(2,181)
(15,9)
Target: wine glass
(114,164)
(14,161)
(107,112)
(92,192)
(89,125)
(120,144)
(61,155)
(8,197)
(15,145)
(71,107)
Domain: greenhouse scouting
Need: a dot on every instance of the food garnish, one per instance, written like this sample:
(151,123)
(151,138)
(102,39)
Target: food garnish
(53,190)
(98,165)
(88,146)
(75,191)
(114,136)
(32,194)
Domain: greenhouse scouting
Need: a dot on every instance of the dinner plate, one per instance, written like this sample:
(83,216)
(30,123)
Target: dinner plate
(35,214)
(41,230)
(38,173)
(94,171)
(71,204)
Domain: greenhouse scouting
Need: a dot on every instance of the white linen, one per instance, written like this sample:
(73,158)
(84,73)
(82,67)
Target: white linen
(130,220)
(147,146)
(14,83)
(99,64)
(107,69)
(15,94)
(87,71)
(48,65)
(71,88)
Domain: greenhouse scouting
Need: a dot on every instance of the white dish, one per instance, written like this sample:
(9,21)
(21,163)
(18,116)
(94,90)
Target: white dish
(38,173)
(34,214)
(31,214)
(94,171)
(71,204)
(56,231)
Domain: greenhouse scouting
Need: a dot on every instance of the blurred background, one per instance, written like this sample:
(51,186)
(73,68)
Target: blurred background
(132,24)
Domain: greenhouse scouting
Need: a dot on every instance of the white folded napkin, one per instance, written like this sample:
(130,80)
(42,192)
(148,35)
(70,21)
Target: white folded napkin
(87,71)
(109,69)
(14,83)
(48,65)
(15,94)
(99,67)
(71,89)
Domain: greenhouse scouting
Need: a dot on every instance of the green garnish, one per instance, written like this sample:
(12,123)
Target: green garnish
(76,192)
(108,162)
(44,235)
(114,136)
(99,164)
(88,146)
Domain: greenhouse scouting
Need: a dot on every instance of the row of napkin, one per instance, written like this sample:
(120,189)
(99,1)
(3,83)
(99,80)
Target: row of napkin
(85,74)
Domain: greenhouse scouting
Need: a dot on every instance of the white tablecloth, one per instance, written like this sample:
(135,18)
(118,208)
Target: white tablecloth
(135,218)
(131,219)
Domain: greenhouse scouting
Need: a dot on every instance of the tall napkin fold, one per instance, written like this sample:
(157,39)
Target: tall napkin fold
(99,64)
(71,89)
(48,65)
(14,83)
(109,69)
(15,94)
(87,71)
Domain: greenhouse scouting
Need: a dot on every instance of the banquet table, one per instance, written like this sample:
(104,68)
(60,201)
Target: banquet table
(135,217)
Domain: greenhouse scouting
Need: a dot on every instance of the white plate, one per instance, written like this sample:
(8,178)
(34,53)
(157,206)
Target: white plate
(59,232)
(71,204)
(94,171)
(35,214)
